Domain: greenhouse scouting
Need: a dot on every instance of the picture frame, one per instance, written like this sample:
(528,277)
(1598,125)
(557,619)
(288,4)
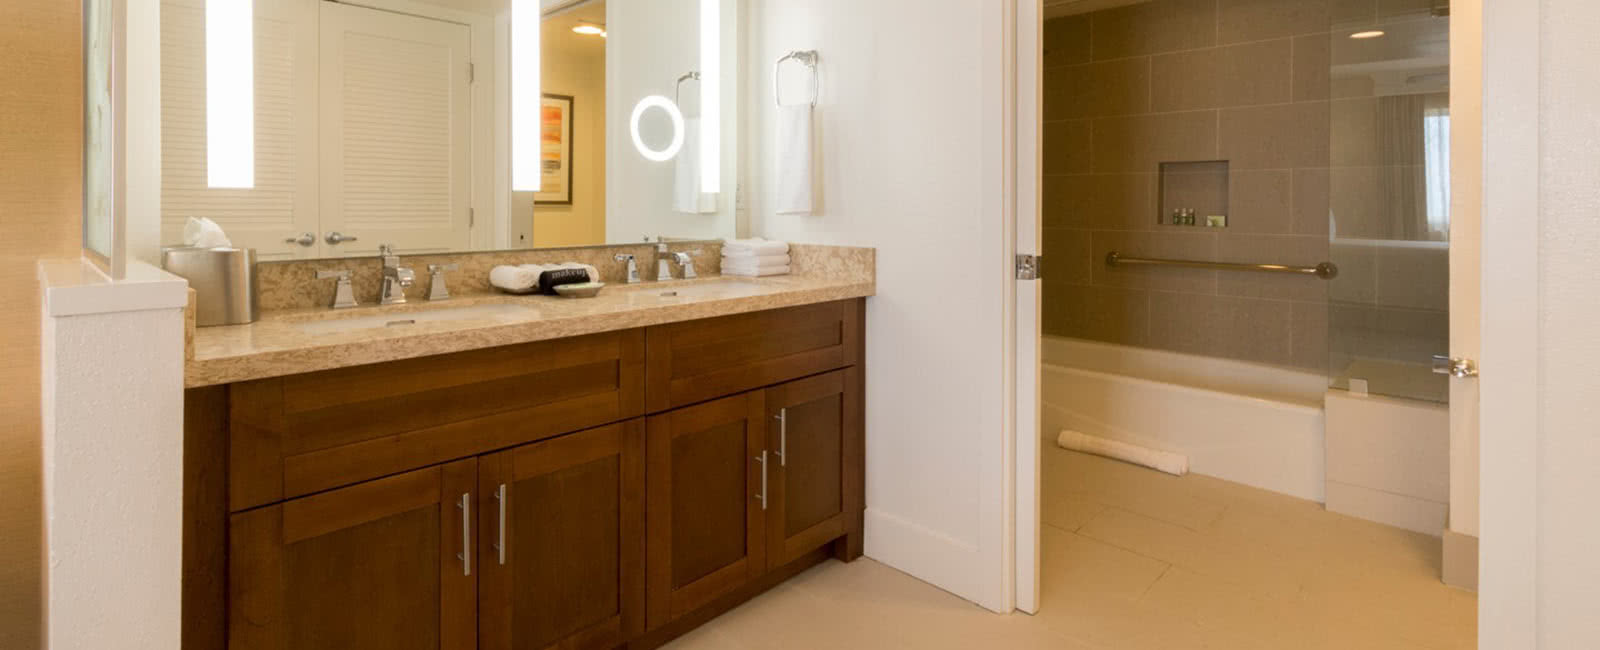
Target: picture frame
(555,150)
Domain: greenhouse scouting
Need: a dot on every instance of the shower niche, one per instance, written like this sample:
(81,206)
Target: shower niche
(1194,194)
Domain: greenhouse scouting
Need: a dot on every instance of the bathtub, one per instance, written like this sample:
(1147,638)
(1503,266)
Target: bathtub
(1249,423)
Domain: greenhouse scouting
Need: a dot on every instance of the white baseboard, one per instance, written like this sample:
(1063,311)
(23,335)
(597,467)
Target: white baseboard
(1460,560)
(923,553)
(1398,510)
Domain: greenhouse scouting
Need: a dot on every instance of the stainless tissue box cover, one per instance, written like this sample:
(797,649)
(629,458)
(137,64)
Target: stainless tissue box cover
(223,279)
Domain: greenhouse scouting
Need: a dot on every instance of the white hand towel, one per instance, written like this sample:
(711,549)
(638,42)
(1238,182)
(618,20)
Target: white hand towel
(756,273)
(686,195)
(763,261)
(200,232)
(794,164)
(754,247)
(514,278)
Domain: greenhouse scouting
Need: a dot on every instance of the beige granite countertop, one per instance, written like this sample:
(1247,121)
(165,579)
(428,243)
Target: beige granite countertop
(288,342)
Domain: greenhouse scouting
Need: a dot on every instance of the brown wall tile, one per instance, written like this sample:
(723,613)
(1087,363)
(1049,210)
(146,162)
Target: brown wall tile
(1067,147)
(1253,20)
(1066,41)
(1184,244)
(1120,87)
(1255,73)
(1139,143)
(1184,81)
(1070,255)
(1311,202)
(1123,201)
(1352,11)
(1107,314)
(1312,81)
(1154,27)
(1066,200)
(1308,335)
(1261,202)
(1275,137)
(1221,326)
(1293,250)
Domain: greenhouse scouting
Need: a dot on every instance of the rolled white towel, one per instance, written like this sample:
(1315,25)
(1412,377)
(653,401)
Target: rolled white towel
(1156,459)
(754,247)
(752,272)
(763,261)
(514,278)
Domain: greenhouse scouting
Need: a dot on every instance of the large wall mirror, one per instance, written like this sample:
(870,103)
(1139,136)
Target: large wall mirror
(313,128)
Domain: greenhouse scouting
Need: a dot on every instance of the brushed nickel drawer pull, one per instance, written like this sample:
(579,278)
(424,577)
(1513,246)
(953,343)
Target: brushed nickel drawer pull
(466,534)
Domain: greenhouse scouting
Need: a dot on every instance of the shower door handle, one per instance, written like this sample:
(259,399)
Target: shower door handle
(1455,367)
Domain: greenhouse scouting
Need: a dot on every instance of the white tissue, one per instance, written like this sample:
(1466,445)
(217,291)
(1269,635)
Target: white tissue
(201,232)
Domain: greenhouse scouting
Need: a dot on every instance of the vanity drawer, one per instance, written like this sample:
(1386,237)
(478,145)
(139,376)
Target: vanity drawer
(298,435)
(696,361)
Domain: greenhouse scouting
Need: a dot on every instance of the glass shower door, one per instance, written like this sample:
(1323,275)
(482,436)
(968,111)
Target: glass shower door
(1389,199)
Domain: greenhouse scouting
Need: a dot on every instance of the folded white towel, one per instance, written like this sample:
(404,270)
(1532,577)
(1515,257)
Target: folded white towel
(750,272)
(755,246)
(763,261)
(513,278)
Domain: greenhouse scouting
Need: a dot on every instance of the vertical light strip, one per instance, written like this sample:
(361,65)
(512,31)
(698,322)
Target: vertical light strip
(710,96)
(526,101)
(230,94)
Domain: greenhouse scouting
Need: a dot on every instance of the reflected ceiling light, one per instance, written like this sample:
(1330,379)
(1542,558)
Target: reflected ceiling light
(657,155)
(526,102)
(710,144)
(1361,36)
(589,29)
(230,94)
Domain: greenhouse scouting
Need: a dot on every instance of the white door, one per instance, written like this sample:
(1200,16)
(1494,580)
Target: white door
(277,214)
(396,132)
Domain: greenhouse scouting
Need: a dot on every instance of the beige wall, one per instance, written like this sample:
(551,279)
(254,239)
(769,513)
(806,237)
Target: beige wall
(576,65)
(1129,88)
(40,180)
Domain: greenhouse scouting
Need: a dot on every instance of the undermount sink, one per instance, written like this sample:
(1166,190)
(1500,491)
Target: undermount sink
(716,289)
(412,318)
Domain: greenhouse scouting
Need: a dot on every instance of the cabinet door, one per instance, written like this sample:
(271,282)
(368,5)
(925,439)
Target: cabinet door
(385,565)
(563,541)
(812,432)
(707,478)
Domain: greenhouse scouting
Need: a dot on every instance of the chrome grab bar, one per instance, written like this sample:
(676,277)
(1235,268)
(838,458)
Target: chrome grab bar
(1325,270)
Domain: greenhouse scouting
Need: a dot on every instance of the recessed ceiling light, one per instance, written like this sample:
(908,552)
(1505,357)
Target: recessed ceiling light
(589,29)
(1361,36)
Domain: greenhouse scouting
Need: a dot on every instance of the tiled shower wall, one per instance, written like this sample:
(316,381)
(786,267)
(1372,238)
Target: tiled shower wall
(1126,89)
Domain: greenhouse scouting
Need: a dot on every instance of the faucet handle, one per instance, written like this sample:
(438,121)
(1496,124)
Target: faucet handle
(344,297)
(437,290)
(633,267)
(385,250)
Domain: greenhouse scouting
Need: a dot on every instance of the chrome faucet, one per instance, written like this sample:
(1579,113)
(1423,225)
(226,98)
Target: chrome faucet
(663,265)
(633,268)
(396,278)
(686,262)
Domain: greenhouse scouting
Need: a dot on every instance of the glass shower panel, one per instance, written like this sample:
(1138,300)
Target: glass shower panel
(1389,199)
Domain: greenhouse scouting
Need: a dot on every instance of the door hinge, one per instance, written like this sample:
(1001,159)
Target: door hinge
(472,217)
(472,72)
(1030,267)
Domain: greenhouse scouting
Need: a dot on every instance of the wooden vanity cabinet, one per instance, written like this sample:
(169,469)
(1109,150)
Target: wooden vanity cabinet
(603,491)
(814,433)
(562,551)
(707,503)
(384,564)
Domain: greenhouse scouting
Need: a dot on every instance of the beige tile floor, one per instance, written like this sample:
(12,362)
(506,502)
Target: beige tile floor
(1135,559)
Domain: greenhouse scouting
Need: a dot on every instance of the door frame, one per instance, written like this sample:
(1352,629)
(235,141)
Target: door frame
(1024,298)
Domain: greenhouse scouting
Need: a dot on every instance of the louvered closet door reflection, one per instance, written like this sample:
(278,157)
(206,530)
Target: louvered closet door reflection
(283,203)
(396,129)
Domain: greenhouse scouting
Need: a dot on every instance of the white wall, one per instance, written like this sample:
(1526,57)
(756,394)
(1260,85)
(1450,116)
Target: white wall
(112,404)
(911,152)
(1569,248)
(1540,574)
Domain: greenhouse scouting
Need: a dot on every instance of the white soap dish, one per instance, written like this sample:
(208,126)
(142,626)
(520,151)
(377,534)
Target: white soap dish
(581,290)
